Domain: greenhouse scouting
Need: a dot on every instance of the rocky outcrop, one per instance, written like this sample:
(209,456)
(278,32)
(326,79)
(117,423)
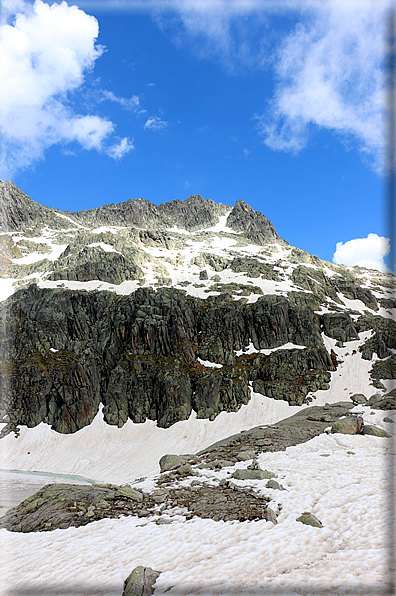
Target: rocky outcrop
(192,214)
(302,371)
(64,352)
(384,369)
(384,336)
(254,225)
(18,211)
(323,286)
(338,325)
(254,268)
(94,263)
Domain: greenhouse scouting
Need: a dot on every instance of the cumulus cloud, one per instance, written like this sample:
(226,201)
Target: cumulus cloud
(44,54)
(365,252)
(329,73)
(155,123)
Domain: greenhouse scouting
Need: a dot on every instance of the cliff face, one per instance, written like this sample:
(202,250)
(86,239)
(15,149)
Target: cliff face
(155,311)
(65,352)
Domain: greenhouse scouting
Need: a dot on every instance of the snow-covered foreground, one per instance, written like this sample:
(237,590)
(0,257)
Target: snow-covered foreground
(341,479)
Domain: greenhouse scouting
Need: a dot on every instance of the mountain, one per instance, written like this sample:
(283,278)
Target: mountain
(158,311)
(236,391)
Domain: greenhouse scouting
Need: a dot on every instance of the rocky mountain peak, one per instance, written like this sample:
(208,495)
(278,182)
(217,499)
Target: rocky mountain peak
(257,226)
(18,211)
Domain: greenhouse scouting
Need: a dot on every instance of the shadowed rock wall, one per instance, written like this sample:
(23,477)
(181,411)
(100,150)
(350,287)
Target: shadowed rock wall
(64,352)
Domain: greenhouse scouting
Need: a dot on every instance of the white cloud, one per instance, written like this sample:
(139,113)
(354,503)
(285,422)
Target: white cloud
(44,53)
(131,103)
(155,123)
(365,252)
(327,70)
(329,75)
(121,149)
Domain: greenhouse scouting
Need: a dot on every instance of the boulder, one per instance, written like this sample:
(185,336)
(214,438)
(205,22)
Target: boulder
(370,429)
(140,582)
(171,462)
(274,485)
(351,425)
(374,398)
(244,455)
(252,474)
(309,519)
(359,398)
(270,515)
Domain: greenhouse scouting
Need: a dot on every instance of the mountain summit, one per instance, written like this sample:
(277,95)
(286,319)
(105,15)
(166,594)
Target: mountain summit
(18,211)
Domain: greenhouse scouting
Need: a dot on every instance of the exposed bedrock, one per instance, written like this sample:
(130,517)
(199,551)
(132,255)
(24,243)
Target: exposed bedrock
(17,211)
(323,287)
(94,263)
(64,352)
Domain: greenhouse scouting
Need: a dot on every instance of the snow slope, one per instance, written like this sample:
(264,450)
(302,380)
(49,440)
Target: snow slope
(341,479)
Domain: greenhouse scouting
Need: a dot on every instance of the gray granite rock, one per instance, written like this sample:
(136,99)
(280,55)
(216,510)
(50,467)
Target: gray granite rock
(171,462)
(351,425)
(358,398)
(247,474)
(274,485)
(309,519)
(376,397)
(370,429)
(140,582)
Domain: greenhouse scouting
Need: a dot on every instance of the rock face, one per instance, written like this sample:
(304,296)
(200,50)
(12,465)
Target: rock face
(18,211)
(64,352)
(255,225)
(192,214)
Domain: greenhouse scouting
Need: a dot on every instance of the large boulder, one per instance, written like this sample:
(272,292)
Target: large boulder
(370,429)
(171,462)
(140,582)
(351,425)
(252,474)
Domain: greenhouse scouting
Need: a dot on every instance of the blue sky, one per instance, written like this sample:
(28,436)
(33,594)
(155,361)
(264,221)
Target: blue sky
(278,104)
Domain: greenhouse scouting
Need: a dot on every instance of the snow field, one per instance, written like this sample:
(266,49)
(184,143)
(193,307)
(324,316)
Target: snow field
(346,492)
(107,453)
